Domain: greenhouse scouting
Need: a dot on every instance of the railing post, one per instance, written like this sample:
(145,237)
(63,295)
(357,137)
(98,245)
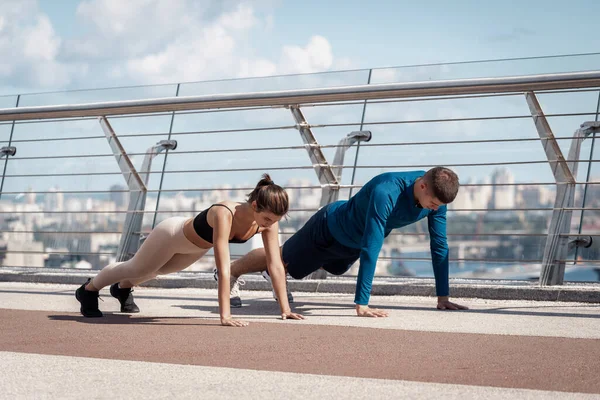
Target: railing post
(325,173)
(136,182)
(9,149)
(362,121)
(564,171)
(343,145)
(587,179)
(162,174)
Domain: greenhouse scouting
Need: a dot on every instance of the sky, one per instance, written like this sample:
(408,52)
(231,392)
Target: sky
(59,45)
(70,44)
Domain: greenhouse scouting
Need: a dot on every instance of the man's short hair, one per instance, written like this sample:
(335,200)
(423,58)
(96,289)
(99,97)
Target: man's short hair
(443,184)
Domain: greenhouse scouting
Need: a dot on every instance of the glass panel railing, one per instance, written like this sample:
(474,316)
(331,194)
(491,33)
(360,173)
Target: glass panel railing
(97,95)
(487,69)
(272,83)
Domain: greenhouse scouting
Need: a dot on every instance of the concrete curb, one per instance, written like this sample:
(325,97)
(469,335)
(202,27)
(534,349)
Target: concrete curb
(583,292)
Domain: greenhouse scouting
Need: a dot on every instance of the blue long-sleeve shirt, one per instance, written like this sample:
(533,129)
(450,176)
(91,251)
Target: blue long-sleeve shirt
(387,202)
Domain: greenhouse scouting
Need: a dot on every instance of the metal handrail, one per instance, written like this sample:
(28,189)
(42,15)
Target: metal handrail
(299,96)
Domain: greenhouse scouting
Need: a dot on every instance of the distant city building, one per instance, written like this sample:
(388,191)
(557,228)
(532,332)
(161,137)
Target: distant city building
(476,197)
(119,195)
(503,191)
(30,197)
(482,194)
(464,198)
(54,200)
(536,196)
(309,198)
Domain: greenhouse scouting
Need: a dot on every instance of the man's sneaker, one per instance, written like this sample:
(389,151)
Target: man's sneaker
(125,297)
(89,301)
(266,275)
(235,300)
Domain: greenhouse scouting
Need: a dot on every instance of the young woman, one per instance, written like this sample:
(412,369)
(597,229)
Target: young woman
(178,242)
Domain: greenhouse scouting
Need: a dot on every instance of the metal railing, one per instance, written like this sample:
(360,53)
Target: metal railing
(288,98)
(58,146)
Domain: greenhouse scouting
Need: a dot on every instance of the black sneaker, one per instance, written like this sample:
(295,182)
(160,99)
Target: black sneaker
(125,298)
(89,301)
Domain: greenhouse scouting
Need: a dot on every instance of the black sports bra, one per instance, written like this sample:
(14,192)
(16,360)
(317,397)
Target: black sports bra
(205,231)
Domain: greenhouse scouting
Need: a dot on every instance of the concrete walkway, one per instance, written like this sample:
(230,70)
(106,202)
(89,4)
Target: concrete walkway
(176,348)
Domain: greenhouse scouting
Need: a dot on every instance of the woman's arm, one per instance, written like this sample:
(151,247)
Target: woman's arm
(221,222)
(276,270)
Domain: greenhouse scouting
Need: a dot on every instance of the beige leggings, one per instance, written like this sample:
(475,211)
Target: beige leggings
(165,250)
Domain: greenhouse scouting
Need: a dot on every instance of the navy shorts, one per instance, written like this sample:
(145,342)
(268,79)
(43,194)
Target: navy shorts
(313,247)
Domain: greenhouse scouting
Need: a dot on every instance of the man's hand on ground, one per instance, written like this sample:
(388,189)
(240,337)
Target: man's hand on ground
(291,315)
(444,303)
(366,311)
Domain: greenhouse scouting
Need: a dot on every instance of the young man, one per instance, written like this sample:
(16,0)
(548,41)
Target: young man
(343,232)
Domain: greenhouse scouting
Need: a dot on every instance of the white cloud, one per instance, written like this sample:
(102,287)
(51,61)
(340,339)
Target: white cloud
(116,18)
(315,56)
(241,19)
(207,53)
(149,42)
(269,23)
(216,48)
(131,28)
(259,67)
(17,9)
(29,48)
(40,43)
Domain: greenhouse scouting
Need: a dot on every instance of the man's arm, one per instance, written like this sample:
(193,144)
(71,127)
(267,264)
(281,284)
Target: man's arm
(380,206)
(439,256)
